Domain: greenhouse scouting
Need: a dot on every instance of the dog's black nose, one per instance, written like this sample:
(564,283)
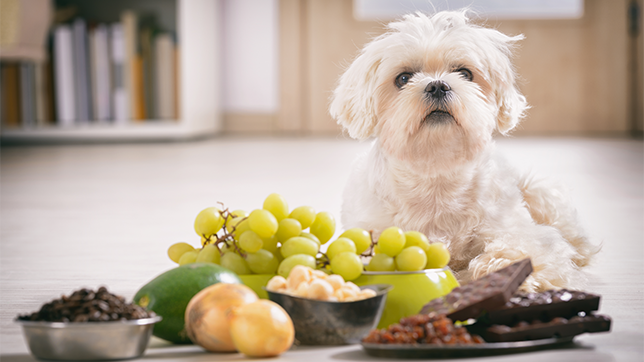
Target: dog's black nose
(437,89)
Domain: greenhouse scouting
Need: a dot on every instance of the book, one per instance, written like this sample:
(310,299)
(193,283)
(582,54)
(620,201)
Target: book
(100,73)
(82,87)
(177,81)
(146,36)
(120,98)
(27,94)
(64,84)
(50,92)
(2,106)
(41,97)
(165,76)
(134,83)
(137,88)
(10,78)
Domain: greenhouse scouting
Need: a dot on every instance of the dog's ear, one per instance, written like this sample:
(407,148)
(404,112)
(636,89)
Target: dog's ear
(512,107)
(511,103)
(353,104)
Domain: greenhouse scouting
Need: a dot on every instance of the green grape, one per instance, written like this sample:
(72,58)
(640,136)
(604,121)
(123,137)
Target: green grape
(225,248)
(391,241)
(347,264)
(232,223)
(209,221)
(278,254)
(340,245)
(298,259)
(234,219)
(360,237)
(251,242)
(188,257)
(323,226)
(263,223)
(299,245)
(412,258)
(326,269)
(437,256)
(277,206)
(304,214)
(287,229)
(209,254)
(235,263)
(381,263)
(262,262)
(240,227)
(175,251)
(311,236)
(416,238)
(270,244)
(239,213)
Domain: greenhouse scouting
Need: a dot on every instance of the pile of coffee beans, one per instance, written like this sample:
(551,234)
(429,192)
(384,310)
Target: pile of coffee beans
(86,305)
(430,328)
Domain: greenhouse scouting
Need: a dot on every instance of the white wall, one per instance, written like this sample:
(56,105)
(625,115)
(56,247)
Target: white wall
(250,56)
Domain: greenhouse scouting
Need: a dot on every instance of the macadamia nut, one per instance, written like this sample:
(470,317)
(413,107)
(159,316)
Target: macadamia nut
(319,289)
(298,275)
(276,283)
(315,284)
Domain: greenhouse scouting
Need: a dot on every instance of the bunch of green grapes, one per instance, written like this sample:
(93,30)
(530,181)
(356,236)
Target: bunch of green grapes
(269,240)
(274,239)
(407,251)
(395,250)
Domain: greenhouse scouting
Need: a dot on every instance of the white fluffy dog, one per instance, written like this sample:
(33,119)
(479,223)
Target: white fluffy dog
(432,91)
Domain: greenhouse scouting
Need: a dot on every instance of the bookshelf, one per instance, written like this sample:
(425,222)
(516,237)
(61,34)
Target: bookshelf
(198,98)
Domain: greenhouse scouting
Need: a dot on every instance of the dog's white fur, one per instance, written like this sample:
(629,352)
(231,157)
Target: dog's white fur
(442,178)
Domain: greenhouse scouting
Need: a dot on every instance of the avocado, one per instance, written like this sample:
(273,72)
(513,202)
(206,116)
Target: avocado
(168,295)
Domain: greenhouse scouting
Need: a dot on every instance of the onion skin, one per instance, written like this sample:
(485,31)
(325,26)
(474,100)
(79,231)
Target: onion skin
(261,329)
(206,319)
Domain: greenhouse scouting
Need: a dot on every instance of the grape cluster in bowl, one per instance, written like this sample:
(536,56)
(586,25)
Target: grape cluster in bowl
(274,239)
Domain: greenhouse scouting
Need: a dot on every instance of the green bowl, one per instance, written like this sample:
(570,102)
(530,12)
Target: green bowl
(411,290)
(257,282)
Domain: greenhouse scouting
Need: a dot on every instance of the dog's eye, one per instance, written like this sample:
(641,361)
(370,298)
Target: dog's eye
(465,73)
(402,79)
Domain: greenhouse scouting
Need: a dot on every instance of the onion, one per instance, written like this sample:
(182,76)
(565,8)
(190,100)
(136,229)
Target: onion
(261,329)
(205,318)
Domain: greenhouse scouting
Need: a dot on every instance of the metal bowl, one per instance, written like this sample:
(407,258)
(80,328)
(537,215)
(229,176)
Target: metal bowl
(88,340)
(333,323)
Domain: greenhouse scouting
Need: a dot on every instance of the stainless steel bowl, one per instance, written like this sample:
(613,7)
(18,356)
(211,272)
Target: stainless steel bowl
(90,340)
(333,323)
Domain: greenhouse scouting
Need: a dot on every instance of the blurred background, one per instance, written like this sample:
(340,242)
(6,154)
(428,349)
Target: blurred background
(85,70)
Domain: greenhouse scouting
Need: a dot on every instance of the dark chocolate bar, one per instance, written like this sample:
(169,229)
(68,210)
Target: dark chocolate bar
(557,327)
(544,306)
(485,294)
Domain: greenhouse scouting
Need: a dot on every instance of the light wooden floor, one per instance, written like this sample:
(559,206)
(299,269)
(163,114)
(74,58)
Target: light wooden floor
(90,215)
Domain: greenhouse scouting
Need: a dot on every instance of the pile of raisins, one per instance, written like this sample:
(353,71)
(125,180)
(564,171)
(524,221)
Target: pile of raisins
(423,329)
(86,305)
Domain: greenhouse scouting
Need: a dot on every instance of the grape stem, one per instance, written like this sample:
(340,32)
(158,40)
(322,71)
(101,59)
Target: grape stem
(226,237)
(322,260)
(369,251)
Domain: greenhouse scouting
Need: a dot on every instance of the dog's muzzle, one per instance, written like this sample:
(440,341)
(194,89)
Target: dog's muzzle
(438,93)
